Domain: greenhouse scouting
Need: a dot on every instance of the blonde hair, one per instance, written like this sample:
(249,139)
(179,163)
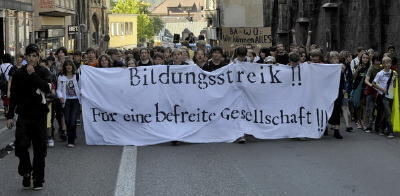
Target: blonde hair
(332,54)
(386,60)
(177,51)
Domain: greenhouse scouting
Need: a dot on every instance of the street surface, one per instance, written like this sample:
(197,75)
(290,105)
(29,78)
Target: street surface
(361,164)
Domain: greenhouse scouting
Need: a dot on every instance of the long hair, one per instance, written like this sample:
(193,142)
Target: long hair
(108,59)
(360,62)
(64,67)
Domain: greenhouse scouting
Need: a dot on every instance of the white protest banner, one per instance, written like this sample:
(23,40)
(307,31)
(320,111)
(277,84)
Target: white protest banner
(156,104)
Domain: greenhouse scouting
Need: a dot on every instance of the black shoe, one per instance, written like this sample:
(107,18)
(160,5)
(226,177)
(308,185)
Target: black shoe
(37,186)
(326,132)
(349,129)
(63,135)
(242,140)
(26,181)
(174,143)
(337,134)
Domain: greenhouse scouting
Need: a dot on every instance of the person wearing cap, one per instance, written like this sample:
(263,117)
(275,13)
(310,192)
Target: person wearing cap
(27,98)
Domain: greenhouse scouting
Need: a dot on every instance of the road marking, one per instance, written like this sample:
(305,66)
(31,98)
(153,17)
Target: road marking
(127,172)
(3,129)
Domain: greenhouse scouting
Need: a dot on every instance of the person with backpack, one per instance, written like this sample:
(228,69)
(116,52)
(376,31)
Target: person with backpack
(384,82)
(69,95)
(5,68)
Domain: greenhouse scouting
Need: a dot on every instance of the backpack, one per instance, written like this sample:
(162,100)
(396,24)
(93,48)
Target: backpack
(3,80)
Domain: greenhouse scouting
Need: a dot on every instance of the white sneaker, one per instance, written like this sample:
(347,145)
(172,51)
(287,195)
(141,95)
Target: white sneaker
(50,143)
(70,145)
(390,135)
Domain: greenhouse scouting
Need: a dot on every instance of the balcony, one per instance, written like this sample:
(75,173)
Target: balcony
(56,7)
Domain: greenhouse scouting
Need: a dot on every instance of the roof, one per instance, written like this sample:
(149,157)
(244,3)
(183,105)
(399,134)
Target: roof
(179,27)
(162,8)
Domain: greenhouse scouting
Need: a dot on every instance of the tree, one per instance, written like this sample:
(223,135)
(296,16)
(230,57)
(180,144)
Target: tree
(146,29)
(158,24)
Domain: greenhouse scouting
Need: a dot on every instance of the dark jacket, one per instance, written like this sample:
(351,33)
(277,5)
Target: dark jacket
(118,64)
(210,66)
(142,64)
(282,59)
(24,99)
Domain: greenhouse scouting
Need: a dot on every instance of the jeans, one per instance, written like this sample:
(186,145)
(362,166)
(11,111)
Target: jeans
(31,131)
(387,108)
(57,113)
(370,106)
(71,113)
(380,117)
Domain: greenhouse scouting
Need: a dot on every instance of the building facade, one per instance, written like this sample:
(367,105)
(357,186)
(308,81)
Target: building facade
(181,17)
(335,24)
(339,24)
(123,31)
(224,14)
(16,25)
(91,21)
(97,23)
(51,21)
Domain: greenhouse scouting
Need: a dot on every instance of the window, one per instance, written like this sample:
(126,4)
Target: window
(122,26)
(127,29)
(117,29)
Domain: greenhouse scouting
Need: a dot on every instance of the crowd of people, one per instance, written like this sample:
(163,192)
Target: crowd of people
(44,91)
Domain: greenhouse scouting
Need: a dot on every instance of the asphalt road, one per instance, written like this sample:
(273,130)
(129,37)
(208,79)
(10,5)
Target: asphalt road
(361,164)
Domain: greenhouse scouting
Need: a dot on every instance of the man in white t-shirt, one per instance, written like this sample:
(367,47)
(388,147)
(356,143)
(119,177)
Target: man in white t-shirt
(384,82)
(5,69)
(6,66)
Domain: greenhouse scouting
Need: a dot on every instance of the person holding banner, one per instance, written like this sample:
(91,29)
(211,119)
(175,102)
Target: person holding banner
(145,58)
(333,58)
(69,94)
(200,57)
(158,59)
(316,56)
(92,57)
(216,60)
(263,54)
(345,59)
(105,61)
(281,57)
(177,57)
(240,55)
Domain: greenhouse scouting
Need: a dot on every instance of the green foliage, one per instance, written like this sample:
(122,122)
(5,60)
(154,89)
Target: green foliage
(147,26)
(158,24)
